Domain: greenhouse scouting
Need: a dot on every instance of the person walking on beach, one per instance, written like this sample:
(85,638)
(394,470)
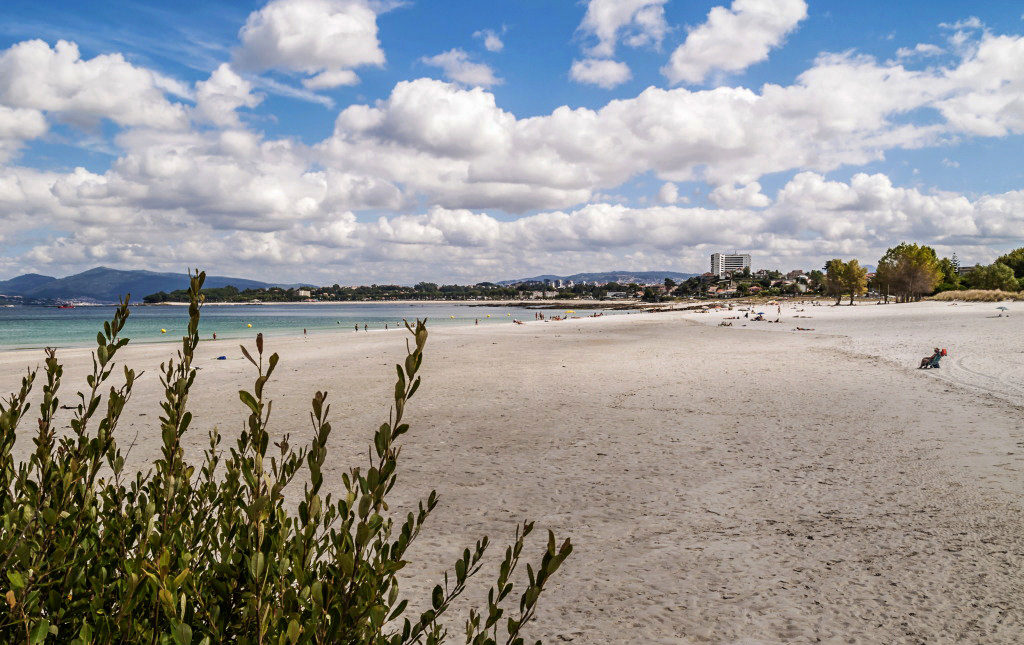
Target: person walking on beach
(357,326)
(215,335)
(364,326)
(303,332)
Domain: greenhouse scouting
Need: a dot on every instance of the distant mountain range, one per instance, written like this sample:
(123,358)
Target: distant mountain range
(104,285)
(622,277)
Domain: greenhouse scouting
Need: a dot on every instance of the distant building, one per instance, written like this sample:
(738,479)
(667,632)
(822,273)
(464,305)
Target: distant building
(722,263)
(966,270)
(304,293)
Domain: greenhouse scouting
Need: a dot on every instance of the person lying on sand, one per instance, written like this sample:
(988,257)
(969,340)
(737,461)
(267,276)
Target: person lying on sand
(804,329)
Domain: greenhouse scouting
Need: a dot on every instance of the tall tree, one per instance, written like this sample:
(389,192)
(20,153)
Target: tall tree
(994,276)
(909,270)
(815,279)
(854,279)
(884,277)
(950,274)
(1015,260)
(834,271)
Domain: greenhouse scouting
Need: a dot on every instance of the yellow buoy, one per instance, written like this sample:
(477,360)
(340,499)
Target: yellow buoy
(163,331)
(451,316)
(249,325)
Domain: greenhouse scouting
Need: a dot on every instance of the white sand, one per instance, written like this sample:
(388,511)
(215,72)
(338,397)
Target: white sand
(731,485)
(986,349)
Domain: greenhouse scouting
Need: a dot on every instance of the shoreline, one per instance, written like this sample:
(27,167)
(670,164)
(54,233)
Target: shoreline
(471,303)
(281,334)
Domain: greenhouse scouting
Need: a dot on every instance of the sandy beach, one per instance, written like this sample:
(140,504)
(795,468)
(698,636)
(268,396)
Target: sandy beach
(721,484)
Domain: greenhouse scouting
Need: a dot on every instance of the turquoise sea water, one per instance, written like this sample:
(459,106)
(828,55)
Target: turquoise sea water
(26,327)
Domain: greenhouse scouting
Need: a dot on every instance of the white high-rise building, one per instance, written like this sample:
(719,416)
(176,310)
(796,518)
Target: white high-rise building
(722,263)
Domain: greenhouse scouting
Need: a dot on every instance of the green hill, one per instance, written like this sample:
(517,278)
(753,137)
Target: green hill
(106,285)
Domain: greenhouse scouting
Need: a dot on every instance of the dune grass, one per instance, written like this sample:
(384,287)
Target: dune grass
(978,295)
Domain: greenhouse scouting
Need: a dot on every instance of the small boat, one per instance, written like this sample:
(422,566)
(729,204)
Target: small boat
(65,306)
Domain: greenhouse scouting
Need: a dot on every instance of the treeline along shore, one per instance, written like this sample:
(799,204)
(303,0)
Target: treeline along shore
(905,272)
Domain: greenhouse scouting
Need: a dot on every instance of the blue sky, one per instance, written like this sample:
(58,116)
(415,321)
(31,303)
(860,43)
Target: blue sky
(254,138)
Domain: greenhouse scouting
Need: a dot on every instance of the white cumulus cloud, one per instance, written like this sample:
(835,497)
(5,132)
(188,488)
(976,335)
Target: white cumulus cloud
(58,81)
(639,22)
(324,39)
(457,67)
(18,125)
(492,41)
(218,97)
(733,39)
(604,73)
(922,50)
(668,193)
(749,196)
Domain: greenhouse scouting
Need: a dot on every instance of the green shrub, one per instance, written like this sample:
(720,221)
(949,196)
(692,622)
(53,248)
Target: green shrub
(994,276)
(208,553)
